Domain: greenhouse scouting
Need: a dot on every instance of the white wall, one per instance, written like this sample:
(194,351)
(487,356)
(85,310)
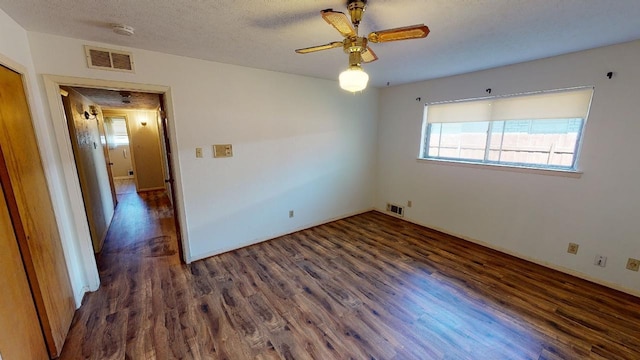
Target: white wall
(120,156)
(16,54)
(530,215)
(299,143)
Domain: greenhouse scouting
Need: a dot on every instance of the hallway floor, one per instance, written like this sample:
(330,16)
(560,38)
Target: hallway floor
(124,186)
(135,268)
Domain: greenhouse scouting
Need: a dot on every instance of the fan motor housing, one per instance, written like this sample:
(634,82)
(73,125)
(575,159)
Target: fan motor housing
(356,9)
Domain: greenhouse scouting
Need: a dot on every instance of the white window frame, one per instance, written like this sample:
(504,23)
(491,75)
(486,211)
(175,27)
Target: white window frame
(571,103)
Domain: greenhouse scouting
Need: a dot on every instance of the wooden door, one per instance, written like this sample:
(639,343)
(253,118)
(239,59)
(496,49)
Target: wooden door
(84,135)
(46,267)
(96,234)
(105,149)
(20,334)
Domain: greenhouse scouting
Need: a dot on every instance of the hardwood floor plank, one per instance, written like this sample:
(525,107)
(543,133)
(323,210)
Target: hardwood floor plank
(326,345)
(114,336)
(366,287)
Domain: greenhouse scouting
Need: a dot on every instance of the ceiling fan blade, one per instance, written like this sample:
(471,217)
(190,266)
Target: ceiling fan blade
(328,46)
(339,21)
(368,55)
(402,33)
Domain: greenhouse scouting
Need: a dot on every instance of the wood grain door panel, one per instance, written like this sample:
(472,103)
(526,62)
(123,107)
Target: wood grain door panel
(46,267)
(20,334)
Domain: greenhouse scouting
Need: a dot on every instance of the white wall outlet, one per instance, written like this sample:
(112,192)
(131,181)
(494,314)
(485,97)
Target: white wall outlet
(573,248)
(600,260)
(290,213)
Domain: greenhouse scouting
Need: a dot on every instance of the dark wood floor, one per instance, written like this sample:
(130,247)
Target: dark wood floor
(367,287)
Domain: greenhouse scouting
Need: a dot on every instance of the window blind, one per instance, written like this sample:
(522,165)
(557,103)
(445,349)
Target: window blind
(570,104)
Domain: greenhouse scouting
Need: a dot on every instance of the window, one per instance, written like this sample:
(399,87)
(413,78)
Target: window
(116,131)
(541,130)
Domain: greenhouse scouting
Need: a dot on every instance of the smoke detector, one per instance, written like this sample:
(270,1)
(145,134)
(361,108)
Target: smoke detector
(122,29)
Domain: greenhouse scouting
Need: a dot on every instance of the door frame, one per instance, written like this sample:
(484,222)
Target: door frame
(111,113)
(52,87)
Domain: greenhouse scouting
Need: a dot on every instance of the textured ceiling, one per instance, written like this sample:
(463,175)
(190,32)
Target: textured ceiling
(112,99)
(466,35)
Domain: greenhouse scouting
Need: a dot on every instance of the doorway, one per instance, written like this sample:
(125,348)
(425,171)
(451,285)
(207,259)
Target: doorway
(118,144)
(132,137)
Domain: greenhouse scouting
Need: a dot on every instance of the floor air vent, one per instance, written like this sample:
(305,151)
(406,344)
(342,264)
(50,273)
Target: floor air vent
(395,209)
(107,59)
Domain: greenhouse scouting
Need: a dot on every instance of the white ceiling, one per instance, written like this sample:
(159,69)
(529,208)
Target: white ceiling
(466,35)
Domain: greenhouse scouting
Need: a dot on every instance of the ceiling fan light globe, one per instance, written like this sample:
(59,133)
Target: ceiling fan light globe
(353,79)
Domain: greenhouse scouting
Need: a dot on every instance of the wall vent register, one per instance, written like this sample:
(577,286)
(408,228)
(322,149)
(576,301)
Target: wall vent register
(395,209)
(108,59)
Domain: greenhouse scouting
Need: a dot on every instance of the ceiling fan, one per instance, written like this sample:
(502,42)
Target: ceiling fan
(354,78)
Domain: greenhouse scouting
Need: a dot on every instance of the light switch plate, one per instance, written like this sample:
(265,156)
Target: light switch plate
(223,150)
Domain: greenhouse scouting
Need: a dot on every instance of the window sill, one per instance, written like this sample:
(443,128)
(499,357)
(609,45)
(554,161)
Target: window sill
(520,169)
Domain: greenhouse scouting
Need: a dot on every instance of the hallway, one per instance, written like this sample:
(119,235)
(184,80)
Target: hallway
(135,272)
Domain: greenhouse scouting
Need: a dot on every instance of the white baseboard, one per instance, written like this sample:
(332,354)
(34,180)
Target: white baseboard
(271,237)
(152,189)
(80,295)
(559,268)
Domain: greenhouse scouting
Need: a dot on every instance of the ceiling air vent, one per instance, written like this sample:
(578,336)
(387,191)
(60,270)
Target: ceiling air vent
(107,59)
(395,209)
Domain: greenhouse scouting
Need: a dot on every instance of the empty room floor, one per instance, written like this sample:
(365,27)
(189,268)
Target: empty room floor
(367,287)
